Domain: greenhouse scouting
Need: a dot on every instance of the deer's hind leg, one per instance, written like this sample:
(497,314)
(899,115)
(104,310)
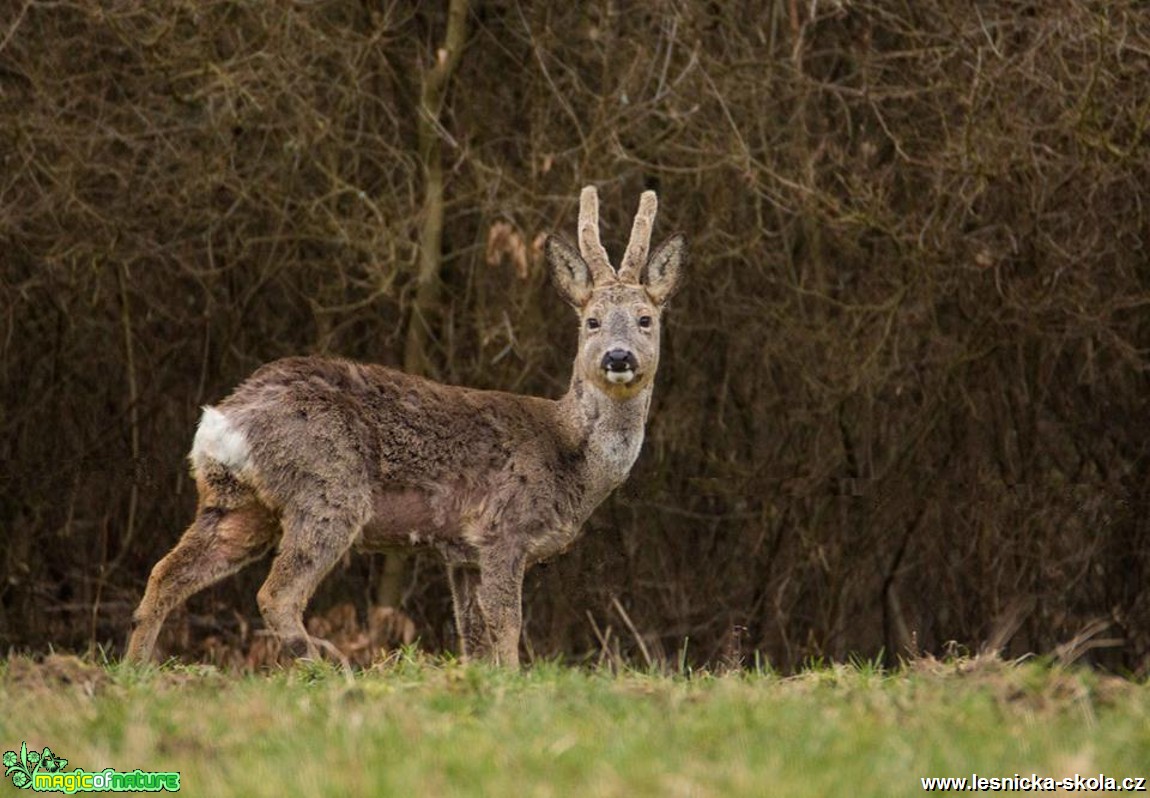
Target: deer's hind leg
(219,542)
(312,543)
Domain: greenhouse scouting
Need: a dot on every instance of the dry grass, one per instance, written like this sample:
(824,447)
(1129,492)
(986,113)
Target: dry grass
(415,725)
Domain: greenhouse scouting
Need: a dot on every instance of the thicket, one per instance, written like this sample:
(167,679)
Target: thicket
(903,399)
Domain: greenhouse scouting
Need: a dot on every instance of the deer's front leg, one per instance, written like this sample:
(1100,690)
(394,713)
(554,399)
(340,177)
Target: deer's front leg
(500,594)
(474,639)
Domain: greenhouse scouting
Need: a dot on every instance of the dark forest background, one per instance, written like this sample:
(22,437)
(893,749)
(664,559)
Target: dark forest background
(903,402)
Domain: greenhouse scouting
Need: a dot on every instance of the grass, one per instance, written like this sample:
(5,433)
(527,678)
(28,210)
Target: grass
(417,726)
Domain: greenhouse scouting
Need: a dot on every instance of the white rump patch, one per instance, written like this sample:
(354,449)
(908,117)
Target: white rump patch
(216,439)
(620,376)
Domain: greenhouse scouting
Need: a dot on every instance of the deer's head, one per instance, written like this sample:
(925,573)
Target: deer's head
(619,309)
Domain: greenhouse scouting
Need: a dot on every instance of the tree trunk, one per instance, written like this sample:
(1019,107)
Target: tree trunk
(425,309)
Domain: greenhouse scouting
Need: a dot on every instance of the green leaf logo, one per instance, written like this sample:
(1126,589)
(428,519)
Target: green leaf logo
(21,767)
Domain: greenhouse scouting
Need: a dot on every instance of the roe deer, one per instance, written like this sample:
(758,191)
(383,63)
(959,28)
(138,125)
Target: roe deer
(314,455)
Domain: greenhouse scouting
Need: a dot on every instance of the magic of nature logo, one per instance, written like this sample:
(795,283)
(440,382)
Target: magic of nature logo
(44,771)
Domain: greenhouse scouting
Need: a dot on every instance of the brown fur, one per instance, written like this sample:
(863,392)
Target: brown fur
(316,455)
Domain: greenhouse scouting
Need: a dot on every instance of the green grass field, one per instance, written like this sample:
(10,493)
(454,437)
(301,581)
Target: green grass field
(419,727)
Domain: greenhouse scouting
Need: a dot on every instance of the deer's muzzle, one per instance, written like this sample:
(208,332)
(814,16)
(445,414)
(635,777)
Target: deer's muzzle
(620,365)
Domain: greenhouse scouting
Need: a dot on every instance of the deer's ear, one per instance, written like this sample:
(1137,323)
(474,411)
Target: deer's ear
(569,272)
(663,272)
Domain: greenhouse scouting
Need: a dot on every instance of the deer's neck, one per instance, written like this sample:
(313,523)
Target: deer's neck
(609,430)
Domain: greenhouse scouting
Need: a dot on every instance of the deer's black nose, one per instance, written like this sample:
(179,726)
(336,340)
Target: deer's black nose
(619,360)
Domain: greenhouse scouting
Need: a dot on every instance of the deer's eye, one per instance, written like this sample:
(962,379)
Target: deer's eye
(644,322)
(592,324)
